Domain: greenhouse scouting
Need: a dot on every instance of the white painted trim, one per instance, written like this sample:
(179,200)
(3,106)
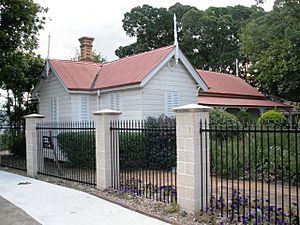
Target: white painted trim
(157,68)
(185,62)
(134,86)
(192,71)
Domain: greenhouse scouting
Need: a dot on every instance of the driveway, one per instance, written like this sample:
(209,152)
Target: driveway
(50,204)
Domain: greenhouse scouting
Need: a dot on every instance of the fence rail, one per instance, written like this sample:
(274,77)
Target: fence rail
(13,146)
(254,171)
(67,150)
(144,159)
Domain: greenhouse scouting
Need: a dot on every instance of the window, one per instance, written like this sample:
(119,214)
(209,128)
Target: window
(172,100)
(85,109)
(54,109)
(115,102)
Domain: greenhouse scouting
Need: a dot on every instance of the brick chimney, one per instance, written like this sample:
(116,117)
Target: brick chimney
(86,48)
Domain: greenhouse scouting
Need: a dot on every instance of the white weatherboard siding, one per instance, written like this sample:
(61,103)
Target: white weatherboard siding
(52,87)
(130,103)
(168,80)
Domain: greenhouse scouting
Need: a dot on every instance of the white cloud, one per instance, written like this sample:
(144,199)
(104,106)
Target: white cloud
(103,21)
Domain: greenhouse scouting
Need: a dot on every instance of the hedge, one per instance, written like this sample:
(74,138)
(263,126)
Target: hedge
(154,148)
(79,148)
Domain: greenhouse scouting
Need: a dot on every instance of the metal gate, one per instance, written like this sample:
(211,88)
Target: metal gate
(13,146)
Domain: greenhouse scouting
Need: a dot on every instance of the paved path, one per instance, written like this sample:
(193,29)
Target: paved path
(12,215)
(50,204)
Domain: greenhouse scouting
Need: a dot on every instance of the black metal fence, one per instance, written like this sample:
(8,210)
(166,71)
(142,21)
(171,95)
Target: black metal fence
(145,164)
(254,172)
(13,146)
(67,150)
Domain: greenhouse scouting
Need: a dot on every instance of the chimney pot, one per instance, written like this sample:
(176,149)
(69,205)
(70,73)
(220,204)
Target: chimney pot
(86,48)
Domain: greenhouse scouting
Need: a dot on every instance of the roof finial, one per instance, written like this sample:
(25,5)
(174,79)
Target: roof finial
(175,39)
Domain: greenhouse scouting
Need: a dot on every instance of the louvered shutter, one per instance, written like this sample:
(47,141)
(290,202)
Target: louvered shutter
(84,108)
(54,109)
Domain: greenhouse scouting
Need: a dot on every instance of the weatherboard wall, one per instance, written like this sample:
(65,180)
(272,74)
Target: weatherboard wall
(52,87)
(177,79)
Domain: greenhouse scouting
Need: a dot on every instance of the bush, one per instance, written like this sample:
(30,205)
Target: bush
(152,148)
(272,117)
(219,119)
(161,142)
(132,151)
(245,117)
(79,148)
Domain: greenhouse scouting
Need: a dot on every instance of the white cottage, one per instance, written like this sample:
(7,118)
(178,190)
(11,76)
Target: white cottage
(142,85)
(146,84)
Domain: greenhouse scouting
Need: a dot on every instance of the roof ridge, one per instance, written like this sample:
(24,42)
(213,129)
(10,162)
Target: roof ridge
(139,54)
(78,62)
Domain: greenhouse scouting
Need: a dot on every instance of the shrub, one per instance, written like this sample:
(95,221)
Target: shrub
(219,119)
(272,117)
(132,152)
(78,147)
(153,148)
(245,117)
(161,142)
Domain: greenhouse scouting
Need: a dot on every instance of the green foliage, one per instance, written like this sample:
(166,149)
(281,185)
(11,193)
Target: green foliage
(272,117)
(79,148)
(20,22)
(272,44)
(245,117)
(14,141)
(258,153)
(154,148)
(221,119)
(96,57)
(211,37)
(133,154)
(152,27)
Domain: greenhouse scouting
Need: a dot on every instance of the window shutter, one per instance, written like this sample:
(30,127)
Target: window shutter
(117,103)
(172,99)
(84,108)
(112,101)
(54,109)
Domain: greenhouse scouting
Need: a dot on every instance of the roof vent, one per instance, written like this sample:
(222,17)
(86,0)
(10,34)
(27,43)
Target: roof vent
(86,48)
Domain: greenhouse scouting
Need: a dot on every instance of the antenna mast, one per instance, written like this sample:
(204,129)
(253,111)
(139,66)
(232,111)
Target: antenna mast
(176,40)
(48,53)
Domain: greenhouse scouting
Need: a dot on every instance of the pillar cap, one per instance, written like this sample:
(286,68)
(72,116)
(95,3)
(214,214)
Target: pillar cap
(34,116)
(107,112)
(193,108)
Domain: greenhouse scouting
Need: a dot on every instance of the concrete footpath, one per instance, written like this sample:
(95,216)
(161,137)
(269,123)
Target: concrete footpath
(51,204)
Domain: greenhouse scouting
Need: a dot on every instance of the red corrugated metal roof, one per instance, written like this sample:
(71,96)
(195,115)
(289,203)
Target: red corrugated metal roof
(130,70)
(76,74)
(243,102)
(219,83)
(79,75)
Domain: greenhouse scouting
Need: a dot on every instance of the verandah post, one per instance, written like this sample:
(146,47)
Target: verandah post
(103,119)
(193,175)
(32,143)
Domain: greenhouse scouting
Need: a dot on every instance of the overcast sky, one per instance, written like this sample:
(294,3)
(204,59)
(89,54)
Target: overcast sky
(102,20)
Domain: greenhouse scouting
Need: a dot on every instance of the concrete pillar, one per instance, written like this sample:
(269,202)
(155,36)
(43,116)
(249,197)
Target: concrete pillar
(192,173)
(32,143)
(103,147)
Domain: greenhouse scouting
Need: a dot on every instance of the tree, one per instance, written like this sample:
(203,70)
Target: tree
(152,27)
(211,37)
(96,57)
(272,44)
(19,26)
(20,68)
